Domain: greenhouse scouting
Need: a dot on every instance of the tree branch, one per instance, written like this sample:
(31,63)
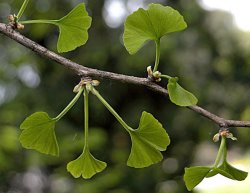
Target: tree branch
(94,73)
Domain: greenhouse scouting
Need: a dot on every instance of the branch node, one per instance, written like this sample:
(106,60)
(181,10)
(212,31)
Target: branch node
(153,76)
(223,131)
(223,125)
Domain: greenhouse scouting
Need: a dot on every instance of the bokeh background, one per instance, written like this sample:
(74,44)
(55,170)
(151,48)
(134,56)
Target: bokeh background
(211,57)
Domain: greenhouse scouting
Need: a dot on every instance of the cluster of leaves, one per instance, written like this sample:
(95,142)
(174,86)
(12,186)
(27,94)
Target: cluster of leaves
(153,24)
(150,138)
(194,175)
(38,132)
(140,27)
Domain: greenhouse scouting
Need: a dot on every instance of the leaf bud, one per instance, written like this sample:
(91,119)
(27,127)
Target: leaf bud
(158,80)
(230,136)
(88,87)
(157,74)
(216,137)
(77,88)
(11,18)
(20,26)
(224,132)
(150,72)
(95,82)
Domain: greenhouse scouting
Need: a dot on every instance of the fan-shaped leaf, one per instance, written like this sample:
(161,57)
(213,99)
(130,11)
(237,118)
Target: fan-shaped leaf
(73,29)
(85,165)
(228,171)
(194,175)
(147,141)
(150,24)
(179,95)
(38,132)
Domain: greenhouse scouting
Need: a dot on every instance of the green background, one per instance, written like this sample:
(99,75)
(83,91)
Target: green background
(211,57)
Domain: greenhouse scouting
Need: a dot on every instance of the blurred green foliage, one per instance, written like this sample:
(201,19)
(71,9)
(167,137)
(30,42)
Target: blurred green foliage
(211,57)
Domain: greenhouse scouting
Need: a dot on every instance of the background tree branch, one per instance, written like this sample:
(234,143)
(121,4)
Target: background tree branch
(94,73)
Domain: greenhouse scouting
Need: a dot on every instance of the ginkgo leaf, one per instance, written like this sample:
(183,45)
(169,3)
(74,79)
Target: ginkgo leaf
(147,141)
(179,95)
(234,172)
(151,24)
(228,171)
(73,29)
(142,154)
(194,175)
(38,132)
(85,165)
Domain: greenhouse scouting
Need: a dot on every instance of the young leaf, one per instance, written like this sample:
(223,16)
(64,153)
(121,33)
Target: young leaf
(194,175)
(179,95)
(85,165)
(147,141)
(144,25)
(38,132)
(73,29)
(236,173)
(228,171)
(212,172)
(142,154)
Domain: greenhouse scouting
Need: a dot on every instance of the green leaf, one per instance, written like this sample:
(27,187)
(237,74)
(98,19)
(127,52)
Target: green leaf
(38,132)
(144,25)
(73,29)
(236,173)
(179,95)
(212,172)
(228,171)
(194,175)
(85,165)
(147,141)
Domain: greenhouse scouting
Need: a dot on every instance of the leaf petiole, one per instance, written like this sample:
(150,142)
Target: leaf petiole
(86,165)
(165,76)
(111,110)
(86,118)
(44,21)
(23,7)
(222,152)
(69,106)
(157,54)
(73,28)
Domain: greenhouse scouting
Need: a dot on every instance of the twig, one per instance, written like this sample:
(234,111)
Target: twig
(94,73)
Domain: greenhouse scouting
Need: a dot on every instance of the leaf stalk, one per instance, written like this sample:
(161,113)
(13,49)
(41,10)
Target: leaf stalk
(44,21)
(70,105)
(222,152)
(86,118)
(157,54)
(165,76)
(111,110)
(22,9)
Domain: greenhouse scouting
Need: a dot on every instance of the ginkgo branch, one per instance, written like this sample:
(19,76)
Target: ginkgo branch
(83,71)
